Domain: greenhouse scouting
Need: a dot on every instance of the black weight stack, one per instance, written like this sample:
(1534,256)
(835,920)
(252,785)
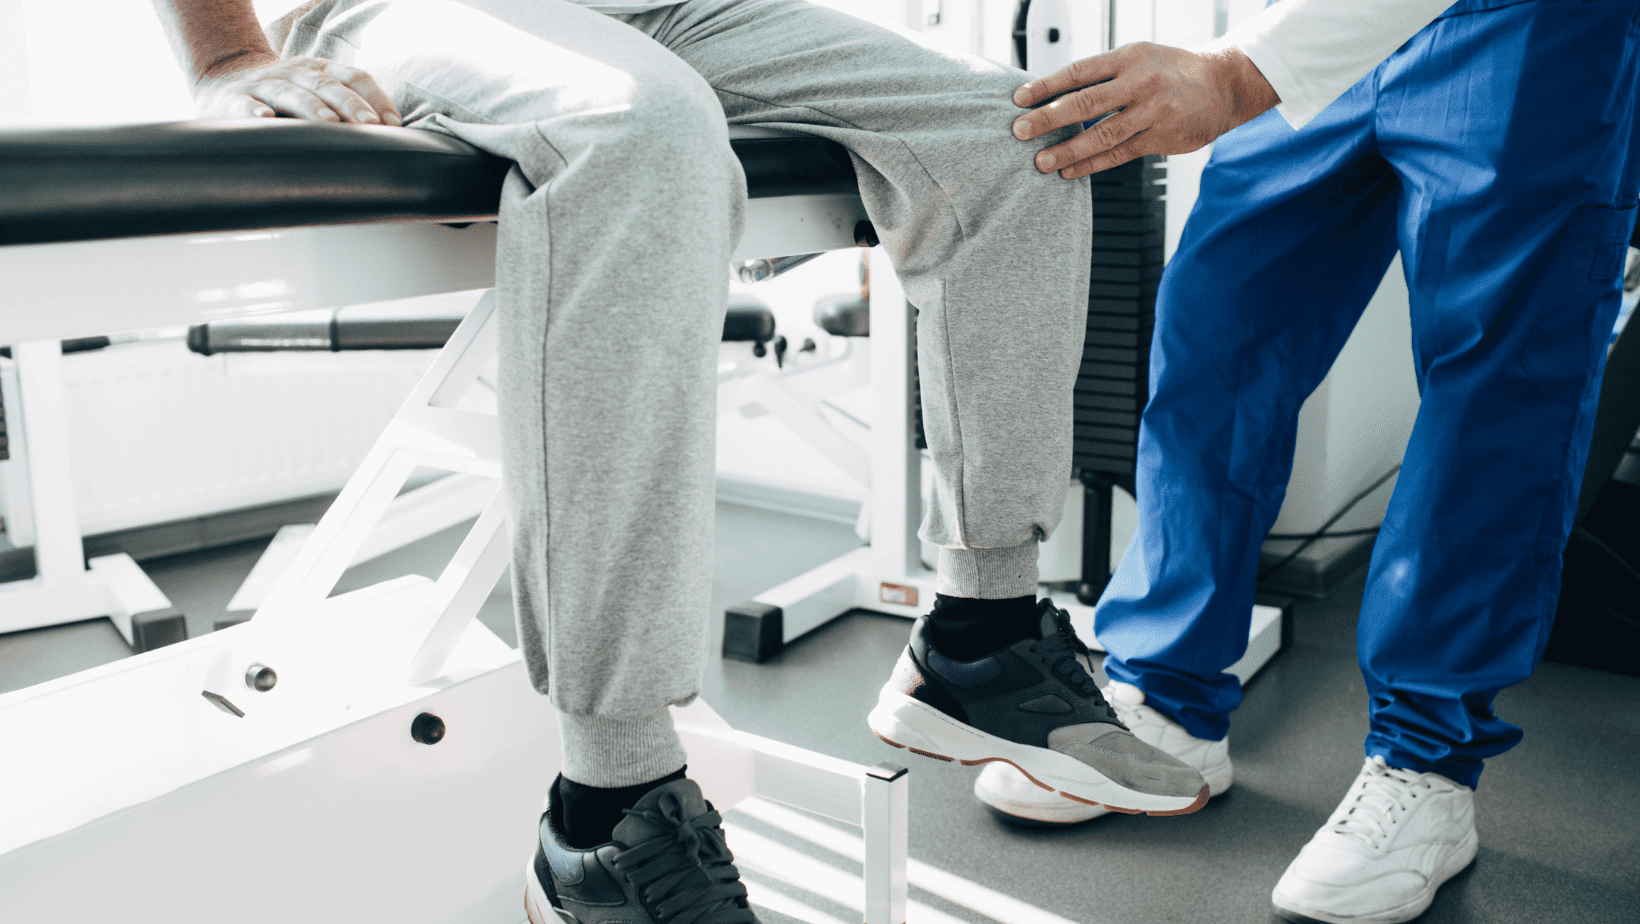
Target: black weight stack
(1128,222)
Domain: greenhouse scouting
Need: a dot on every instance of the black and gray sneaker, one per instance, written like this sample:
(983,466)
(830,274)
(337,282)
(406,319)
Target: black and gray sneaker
(1032,705)
(668,864)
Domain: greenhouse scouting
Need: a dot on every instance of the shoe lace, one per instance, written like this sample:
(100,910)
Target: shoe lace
(689,876)
(1378,802)
(1062,652)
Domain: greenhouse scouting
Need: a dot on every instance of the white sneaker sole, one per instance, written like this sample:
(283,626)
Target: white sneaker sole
(1051,811)
(908,723)
(1287,906)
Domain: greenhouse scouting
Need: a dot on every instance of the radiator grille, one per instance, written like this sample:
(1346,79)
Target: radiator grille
(158,434)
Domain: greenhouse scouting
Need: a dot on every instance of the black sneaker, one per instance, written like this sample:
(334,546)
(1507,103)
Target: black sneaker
(667,864)
(1032,705)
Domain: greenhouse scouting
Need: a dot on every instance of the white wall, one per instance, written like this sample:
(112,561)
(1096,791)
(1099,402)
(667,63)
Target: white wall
(16,102)
(86,62)
(1354,428)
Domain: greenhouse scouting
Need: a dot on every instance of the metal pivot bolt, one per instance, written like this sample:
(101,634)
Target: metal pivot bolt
(260,678)
(427,728)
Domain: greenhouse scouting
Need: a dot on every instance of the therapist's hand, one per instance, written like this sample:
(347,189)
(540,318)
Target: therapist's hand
(265,85)
(1171,101)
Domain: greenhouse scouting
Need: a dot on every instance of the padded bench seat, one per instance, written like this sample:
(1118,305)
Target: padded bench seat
(81,184)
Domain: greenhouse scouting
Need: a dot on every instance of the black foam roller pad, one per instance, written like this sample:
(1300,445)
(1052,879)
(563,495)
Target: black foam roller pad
(75,184)
(748,322)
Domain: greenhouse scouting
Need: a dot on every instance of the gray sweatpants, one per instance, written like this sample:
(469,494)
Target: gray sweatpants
(616,228)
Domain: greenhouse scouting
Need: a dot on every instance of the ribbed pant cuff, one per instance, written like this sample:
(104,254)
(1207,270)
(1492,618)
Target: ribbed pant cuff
(988,574)
(608,753)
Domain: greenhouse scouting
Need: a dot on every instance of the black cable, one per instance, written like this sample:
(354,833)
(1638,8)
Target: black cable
(1321,533)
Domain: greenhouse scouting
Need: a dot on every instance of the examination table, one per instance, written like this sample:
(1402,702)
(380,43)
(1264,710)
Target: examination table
(372,756)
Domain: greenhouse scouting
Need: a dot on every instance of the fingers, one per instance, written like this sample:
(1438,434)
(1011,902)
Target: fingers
(1072,109)
(367,89)
(338,102)
(1137,146)
(288,98)
(1096,140)
(1078,74)
(244,106)
(305,88)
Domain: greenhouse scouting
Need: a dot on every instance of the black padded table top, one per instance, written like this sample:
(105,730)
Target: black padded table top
(76,184)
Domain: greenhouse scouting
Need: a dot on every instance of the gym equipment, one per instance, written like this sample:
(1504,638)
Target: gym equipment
(377,755)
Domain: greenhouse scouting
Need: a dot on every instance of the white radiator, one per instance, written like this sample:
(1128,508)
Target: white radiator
(159,433)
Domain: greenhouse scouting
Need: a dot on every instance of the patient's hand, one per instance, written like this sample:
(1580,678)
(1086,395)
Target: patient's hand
(1171,101)
(265,85)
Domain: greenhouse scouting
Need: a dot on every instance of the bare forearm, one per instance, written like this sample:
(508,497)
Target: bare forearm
(207,34)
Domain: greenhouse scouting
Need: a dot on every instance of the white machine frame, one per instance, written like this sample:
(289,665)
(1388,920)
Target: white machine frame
(284,767)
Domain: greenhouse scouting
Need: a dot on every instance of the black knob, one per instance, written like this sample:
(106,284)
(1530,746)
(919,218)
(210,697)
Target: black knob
(1088,593)
(427,728)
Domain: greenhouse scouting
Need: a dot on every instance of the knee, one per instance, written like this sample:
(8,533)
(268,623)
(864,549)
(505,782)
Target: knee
(667,134)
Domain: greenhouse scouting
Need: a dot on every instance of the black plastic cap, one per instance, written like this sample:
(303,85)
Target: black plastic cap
(427,728)
(158,628)
(752,632)
(199,339)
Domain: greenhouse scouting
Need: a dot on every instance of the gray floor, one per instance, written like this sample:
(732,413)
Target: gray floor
(1557,815)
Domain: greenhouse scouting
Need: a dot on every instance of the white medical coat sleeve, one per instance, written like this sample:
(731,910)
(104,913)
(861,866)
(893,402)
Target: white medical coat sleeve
(1311,51)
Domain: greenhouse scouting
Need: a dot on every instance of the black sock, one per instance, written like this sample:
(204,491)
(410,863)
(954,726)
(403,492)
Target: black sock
(966,628)
(589,814)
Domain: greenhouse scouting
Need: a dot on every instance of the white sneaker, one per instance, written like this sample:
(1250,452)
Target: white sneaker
(1012,794)
(1390,844)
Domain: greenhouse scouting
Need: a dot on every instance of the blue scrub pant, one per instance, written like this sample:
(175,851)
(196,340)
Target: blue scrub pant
(1497,151)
